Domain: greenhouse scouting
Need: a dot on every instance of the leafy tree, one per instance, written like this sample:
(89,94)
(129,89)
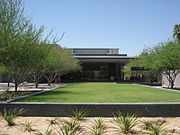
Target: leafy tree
(59,62)
(169,61)
(38,69)
(53,63)
(144,64)
(20,57)
(70,64)
(20,41)
(12,27)
(163,58)
(176,31)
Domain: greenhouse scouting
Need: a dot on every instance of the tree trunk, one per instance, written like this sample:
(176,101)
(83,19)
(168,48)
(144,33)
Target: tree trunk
(9,80)
(36,84)
(16,86)
(56,80)
(36,81)
(172,84)
(49,83)
(59,81)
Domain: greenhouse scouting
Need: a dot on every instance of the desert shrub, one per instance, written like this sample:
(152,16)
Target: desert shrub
(146,125)
(79,114)
(10,115)
(99,128)
(47,132)
(70,128)
(125,123)
(155,129)
(53,121)
(27,126)
(6,95)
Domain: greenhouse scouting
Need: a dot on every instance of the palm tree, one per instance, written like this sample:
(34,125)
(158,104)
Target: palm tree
(176,31)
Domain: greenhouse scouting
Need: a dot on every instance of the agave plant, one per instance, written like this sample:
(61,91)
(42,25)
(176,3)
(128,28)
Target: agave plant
(99,127)
(27,126)
(53,121)
(155,129)
(47,132)
(10,115)
(70,128)
(146,125)
(125,123)
(79,114)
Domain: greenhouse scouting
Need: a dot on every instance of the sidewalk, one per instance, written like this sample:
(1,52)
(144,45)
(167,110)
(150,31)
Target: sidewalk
(29,87)
(159,87)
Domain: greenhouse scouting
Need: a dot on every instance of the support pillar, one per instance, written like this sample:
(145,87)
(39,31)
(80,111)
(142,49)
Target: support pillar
(117,72)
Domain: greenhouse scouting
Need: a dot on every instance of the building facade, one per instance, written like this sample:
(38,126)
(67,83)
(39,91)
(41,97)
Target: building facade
(99,64)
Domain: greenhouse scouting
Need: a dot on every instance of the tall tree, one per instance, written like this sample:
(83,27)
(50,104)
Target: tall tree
(59,62)
(38,69)
(20,41)
(12,25)
(176,31)
(169,61)
(163,58)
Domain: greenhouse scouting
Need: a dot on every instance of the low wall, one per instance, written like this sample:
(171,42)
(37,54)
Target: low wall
(97,110)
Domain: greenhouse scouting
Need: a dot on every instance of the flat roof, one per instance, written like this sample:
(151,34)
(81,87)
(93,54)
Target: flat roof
(103,57)
(93,48)
(100,54)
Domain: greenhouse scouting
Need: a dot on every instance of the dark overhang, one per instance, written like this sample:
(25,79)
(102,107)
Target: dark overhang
(105,55)
(104,59)
(100,54)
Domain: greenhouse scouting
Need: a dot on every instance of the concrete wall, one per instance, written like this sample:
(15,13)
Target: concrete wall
(165,82)
(96,109)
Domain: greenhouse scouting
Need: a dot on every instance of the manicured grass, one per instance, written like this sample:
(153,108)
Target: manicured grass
(106,93)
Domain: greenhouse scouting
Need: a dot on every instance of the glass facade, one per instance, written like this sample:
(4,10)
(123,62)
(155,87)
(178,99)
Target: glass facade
(95,71)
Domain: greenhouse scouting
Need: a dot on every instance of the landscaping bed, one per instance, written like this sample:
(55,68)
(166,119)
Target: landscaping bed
(41,124)
(7,95)
(78,123)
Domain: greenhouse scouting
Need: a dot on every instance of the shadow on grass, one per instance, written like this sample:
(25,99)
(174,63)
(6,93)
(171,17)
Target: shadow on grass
(51,95)
(61,92)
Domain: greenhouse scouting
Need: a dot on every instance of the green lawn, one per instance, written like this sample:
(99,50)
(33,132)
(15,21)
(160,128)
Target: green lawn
(106,93)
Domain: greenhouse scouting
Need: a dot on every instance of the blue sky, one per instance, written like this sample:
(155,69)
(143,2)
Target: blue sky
(129,25)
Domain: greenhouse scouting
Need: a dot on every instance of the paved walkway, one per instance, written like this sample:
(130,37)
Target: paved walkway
(29,87)
(159,87)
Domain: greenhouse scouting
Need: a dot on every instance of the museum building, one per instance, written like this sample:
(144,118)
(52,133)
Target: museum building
(99,64)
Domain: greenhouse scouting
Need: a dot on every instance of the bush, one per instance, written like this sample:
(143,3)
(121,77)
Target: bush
(125,123)
(10,115)
(79,114)
(99,128)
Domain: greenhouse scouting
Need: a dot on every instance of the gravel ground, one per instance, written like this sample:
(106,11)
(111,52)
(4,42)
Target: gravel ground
(41,124)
